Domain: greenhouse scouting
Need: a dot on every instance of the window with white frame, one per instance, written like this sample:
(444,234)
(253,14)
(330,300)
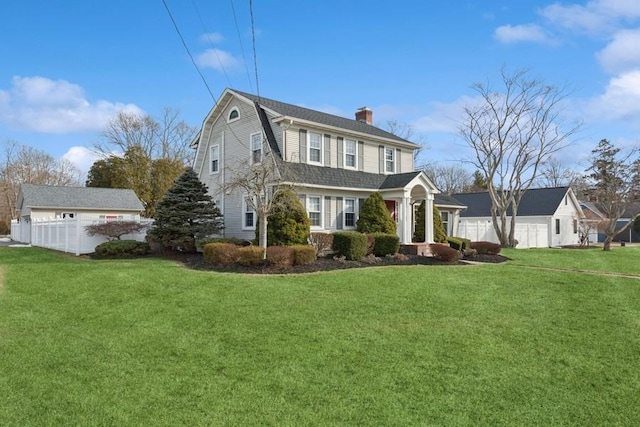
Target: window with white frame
(215,159)
(234,115)
(256,148)
(314,207)
(349,213)
(350,153)
(248,215)
(389,160)
(315,147)
(445,222)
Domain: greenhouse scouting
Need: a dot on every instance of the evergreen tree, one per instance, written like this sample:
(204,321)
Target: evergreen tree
(288,223)
(375,217)
(439,233)
(185,214)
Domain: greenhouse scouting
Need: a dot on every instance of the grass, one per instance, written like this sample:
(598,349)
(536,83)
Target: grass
(147,342)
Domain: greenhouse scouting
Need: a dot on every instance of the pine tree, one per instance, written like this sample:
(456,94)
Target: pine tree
(439,233)
(185,214)
(375,217)
(288,223)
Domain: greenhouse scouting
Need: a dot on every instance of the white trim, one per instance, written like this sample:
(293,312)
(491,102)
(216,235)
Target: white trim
(321,211)
(345,142)
(246,208)
(344,213)
(233,109)
(320,149)
(394,160)
(251,150)
(211,148)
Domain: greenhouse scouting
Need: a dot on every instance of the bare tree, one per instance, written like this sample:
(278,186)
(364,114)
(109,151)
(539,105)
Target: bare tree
(616,185)
(512,133)
(21,164)
(405,131)
(165,138)
(449,178)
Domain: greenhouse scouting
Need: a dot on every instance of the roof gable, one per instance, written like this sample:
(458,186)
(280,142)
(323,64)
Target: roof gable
(535,202)
(45,196)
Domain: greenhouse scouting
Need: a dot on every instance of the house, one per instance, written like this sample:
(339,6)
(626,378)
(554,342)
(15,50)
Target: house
(44,202)
(547,217)
(332,162)
(593,221)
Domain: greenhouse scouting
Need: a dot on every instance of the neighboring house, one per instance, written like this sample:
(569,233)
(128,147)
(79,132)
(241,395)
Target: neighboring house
(332,162)
(450,210)
(43,202)
(629,235)
(547,217)
(593,220)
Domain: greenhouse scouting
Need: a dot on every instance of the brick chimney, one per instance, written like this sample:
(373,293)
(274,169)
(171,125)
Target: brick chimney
(364,115)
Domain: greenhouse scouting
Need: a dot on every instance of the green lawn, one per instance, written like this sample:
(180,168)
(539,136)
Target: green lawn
(147,342)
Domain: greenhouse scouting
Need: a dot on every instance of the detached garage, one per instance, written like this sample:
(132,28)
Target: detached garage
(547,217)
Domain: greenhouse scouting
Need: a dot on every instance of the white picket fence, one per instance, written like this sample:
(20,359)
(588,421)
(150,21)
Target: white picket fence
(65,234)
(527,235)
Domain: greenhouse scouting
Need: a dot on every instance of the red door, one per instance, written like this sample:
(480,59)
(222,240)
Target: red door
(391,207)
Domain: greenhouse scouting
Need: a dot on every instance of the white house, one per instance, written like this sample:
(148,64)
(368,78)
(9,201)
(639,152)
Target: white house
(332,162)
(547,217)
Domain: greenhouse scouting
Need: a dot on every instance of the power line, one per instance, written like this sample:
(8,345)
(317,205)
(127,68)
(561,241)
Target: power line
(188,52)
(255,56)
(215,51)
(244,56)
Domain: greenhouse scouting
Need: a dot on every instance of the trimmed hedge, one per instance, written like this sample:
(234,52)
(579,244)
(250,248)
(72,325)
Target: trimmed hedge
(444,252)
(220,253)
(281,256)
(303,254)
(489,248)
(250,255)
(385,244)
(124,248)
(233,240)
(459,243)
(350,244)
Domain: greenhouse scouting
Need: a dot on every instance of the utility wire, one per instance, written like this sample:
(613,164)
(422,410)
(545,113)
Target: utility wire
(255,56)
(188,52)
(244,56)
(215,51)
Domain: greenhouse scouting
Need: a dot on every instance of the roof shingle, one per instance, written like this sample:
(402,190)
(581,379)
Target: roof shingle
(45,196)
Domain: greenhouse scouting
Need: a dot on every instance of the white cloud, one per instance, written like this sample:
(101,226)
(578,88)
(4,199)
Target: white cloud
(593,17)
(521,33)
(81,157)
(620,101)
(622,53)
(443,117)
(218,60)
(212,38)
(43,105)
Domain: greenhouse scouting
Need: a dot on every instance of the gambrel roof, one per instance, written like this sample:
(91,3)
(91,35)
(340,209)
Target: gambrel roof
(87,198)
(535,202)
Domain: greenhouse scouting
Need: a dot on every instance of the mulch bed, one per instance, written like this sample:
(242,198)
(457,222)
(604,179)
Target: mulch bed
(196,261)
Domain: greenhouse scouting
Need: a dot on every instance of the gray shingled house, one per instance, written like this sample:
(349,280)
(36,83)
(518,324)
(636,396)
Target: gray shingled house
(333,163)
(547,217)
(43,202)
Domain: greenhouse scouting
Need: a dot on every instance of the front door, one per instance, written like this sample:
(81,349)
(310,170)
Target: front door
(391,207)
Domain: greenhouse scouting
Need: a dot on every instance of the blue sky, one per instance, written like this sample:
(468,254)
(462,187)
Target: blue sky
(66,67)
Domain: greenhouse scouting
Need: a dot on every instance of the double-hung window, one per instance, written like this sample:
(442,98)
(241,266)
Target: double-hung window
(350,153)
(315,147)
(256,148)
(314,207)
(349,213)
(389,160)
(215,159)
(248,214)
(445,221)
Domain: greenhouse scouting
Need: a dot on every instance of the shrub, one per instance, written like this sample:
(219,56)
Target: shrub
(220,253)
(303,254)
(124,248)
(371,241)
(233,240)
(4,228)
(250,255)
(385,244)
(288,222)
(486,247)
(350,244)
(280,256)
(113,230)
(321,242)
(444,252)
(439,233)
(459,243)
(375,217)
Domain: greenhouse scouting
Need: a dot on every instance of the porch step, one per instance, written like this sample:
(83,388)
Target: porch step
(415,249)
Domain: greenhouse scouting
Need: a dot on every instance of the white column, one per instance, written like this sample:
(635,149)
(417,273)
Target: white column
(405,219)
(428,226)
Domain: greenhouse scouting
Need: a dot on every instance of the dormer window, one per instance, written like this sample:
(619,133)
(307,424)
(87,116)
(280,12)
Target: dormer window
(234,114)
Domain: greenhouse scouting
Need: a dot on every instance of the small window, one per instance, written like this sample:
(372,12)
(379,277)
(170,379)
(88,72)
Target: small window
(566,199)
(314,207)
(234,114)
(315,147)
(445,222)
(557,226)
(389,160)
(349,213)
(350,153)
(215,159)
(256,148)
(575,226)
(249,215)
(68,215)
